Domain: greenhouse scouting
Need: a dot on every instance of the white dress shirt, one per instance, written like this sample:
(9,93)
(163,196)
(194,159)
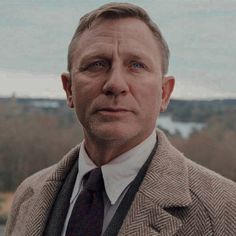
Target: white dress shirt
(117,176)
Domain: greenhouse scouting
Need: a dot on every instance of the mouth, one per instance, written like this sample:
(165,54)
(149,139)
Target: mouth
(112,111)
(109,109)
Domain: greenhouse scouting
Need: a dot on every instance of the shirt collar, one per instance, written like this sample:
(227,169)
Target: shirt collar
(85,164)
(118,173)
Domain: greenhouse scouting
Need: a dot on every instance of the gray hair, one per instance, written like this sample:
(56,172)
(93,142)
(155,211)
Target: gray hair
(112,11)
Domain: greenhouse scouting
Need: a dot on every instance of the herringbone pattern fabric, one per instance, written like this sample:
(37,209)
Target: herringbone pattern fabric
(179,197)
(87,215)
(176,198)
(37,199)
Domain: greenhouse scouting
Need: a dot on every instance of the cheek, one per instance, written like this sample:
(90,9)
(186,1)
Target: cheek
(79,100)
(84,96)
(149,97)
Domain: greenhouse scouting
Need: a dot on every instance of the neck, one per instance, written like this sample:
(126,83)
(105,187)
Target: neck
(103,152)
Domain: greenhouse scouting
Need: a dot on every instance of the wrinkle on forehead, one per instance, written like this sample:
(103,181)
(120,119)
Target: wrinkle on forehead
(127,36)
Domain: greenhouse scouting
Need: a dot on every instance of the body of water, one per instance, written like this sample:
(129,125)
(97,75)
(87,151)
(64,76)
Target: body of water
(184,128)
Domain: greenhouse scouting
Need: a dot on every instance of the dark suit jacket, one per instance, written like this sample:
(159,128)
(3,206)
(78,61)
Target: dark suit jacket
(177,197)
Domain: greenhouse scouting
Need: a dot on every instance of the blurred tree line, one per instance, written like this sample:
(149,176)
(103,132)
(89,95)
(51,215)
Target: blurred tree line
(35,136)
(214,146)
(32,138)
(199,111)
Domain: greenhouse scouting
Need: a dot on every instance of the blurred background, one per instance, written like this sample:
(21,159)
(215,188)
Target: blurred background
(37,128)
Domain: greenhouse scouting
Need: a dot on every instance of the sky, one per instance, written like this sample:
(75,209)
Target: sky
(201,34)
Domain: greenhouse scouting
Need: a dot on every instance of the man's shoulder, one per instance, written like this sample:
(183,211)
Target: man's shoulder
(29,191)
(209,187)
(37,179)
(210,197)
(51,173)
(201,180)
(214,197)
(204,181)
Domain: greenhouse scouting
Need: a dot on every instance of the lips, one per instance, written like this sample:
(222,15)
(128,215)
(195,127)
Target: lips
(111,109)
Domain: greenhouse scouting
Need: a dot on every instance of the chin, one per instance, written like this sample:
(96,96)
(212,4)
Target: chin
(115,133)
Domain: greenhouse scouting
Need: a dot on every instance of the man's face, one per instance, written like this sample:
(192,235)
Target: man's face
(116,83)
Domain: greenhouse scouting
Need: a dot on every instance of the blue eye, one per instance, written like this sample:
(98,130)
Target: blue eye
(137,65)
(97,66)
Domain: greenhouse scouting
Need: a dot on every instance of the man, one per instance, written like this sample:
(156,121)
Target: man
(117,83)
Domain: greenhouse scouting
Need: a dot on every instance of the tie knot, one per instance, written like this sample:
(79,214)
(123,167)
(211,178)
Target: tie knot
(94,180)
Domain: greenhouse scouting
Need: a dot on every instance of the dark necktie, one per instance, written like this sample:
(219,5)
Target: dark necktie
(87,215)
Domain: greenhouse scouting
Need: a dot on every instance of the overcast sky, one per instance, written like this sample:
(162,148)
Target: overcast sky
(201,34)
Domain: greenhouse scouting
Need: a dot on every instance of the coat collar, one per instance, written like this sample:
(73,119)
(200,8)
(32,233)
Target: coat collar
(37,218)
(166,182)
(165,186)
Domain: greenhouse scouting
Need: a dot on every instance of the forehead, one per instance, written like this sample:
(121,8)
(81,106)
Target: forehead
(131,34)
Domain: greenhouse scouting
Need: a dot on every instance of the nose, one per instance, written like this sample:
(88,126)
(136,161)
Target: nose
(115,83)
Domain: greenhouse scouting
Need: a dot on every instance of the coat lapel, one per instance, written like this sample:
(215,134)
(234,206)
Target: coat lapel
(164,187)
(146,218)
(35,222)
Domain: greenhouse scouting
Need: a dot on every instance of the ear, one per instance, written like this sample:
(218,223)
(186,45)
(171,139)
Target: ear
(168,83)
(66,82)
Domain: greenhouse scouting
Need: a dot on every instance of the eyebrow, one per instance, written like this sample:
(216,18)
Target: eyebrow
(92,56)
(108,55)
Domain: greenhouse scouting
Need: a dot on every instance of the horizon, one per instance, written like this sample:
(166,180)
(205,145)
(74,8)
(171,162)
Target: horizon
(201,36)
(14,96)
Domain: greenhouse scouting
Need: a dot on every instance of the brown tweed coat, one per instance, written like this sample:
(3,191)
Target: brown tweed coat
(177,197)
